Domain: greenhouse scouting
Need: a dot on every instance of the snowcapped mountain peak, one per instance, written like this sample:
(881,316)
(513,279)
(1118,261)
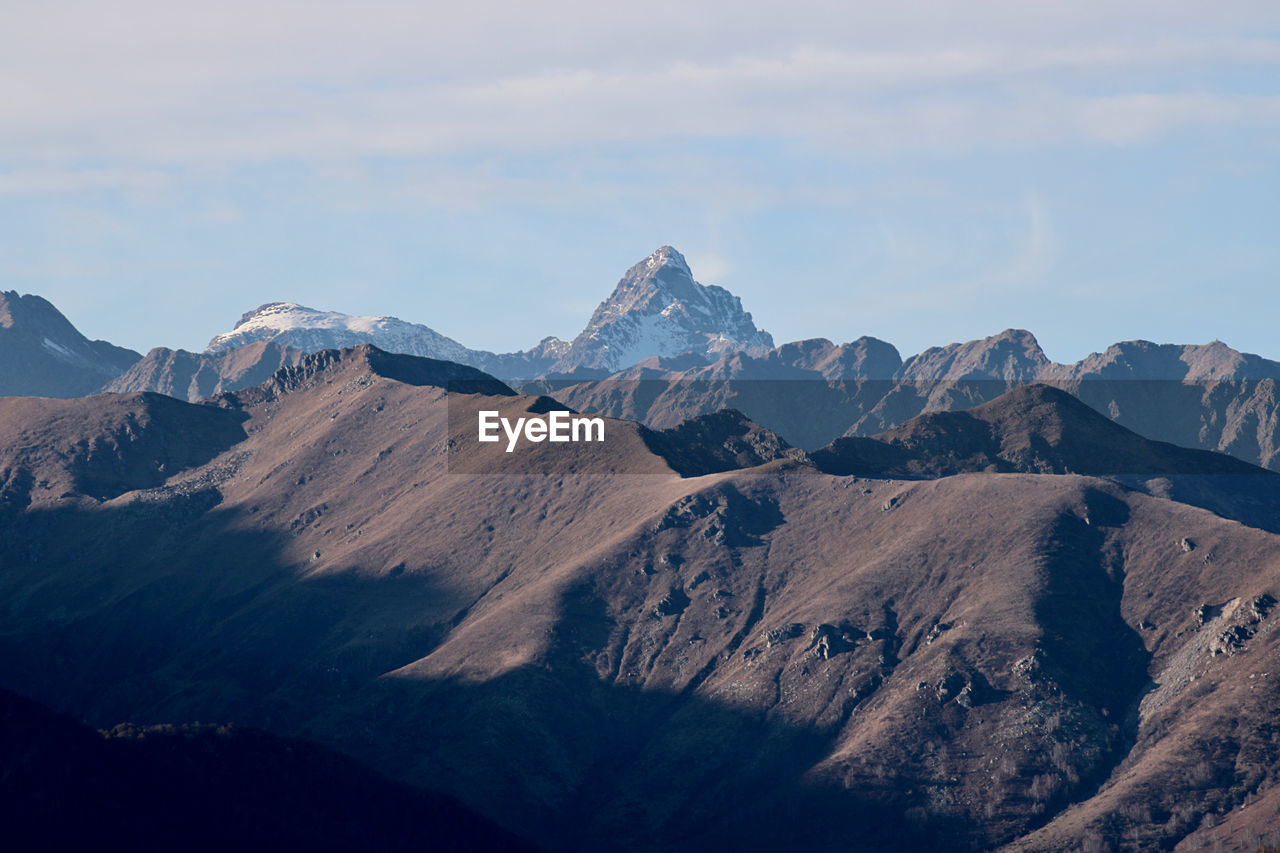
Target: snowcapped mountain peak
(258,315)
(309,330)
(659,283)
(667,256)
(659,309)
(656,309)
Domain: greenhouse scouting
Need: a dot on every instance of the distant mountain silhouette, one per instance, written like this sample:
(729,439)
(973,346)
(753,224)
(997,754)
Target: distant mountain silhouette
(809,393)
(43,355)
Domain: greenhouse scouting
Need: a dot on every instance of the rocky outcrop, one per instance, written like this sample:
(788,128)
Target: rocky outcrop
(194,376)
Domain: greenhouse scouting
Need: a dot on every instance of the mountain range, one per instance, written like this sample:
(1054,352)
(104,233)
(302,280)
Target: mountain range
(663,348)
(656,309)
(803,596)
(686,639)
(812,392)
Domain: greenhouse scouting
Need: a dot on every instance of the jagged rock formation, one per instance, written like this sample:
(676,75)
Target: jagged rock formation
(1013,356)
(664,348)
(657,309)
(43,355)
(1145,360)
(321,368)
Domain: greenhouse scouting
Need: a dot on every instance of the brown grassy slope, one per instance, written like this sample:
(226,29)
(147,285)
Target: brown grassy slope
(104,445)
(604,658)
(1254,826)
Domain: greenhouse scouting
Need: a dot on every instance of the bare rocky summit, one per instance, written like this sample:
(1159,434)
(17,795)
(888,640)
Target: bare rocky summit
(1013,356)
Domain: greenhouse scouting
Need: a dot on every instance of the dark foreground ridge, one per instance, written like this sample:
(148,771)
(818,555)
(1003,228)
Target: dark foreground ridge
(723,441)
(64,786)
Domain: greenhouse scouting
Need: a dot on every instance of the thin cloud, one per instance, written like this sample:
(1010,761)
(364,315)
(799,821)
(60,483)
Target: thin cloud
(73,180)
(143,83)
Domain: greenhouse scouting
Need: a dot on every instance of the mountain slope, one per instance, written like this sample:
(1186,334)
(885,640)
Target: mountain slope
(610,654)
(104,445)
(43,355)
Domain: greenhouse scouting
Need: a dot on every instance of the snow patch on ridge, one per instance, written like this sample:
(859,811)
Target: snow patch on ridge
(60,351)
(308,329)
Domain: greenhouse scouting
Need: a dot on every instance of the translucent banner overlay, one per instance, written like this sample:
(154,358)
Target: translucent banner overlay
(878,428)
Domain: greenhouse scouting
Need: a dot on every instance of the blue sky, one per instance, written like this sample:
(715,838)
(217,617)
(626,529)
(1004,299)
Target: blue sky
(919,171)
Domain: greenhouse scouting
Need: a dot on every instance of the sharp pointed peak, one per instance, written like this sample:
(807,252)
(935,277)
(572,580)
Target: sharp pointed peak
(666,256)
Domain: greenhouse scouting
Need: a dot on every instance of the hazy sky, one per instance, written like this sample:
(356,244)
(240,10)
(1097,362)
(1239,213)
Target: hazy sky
(919,171)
